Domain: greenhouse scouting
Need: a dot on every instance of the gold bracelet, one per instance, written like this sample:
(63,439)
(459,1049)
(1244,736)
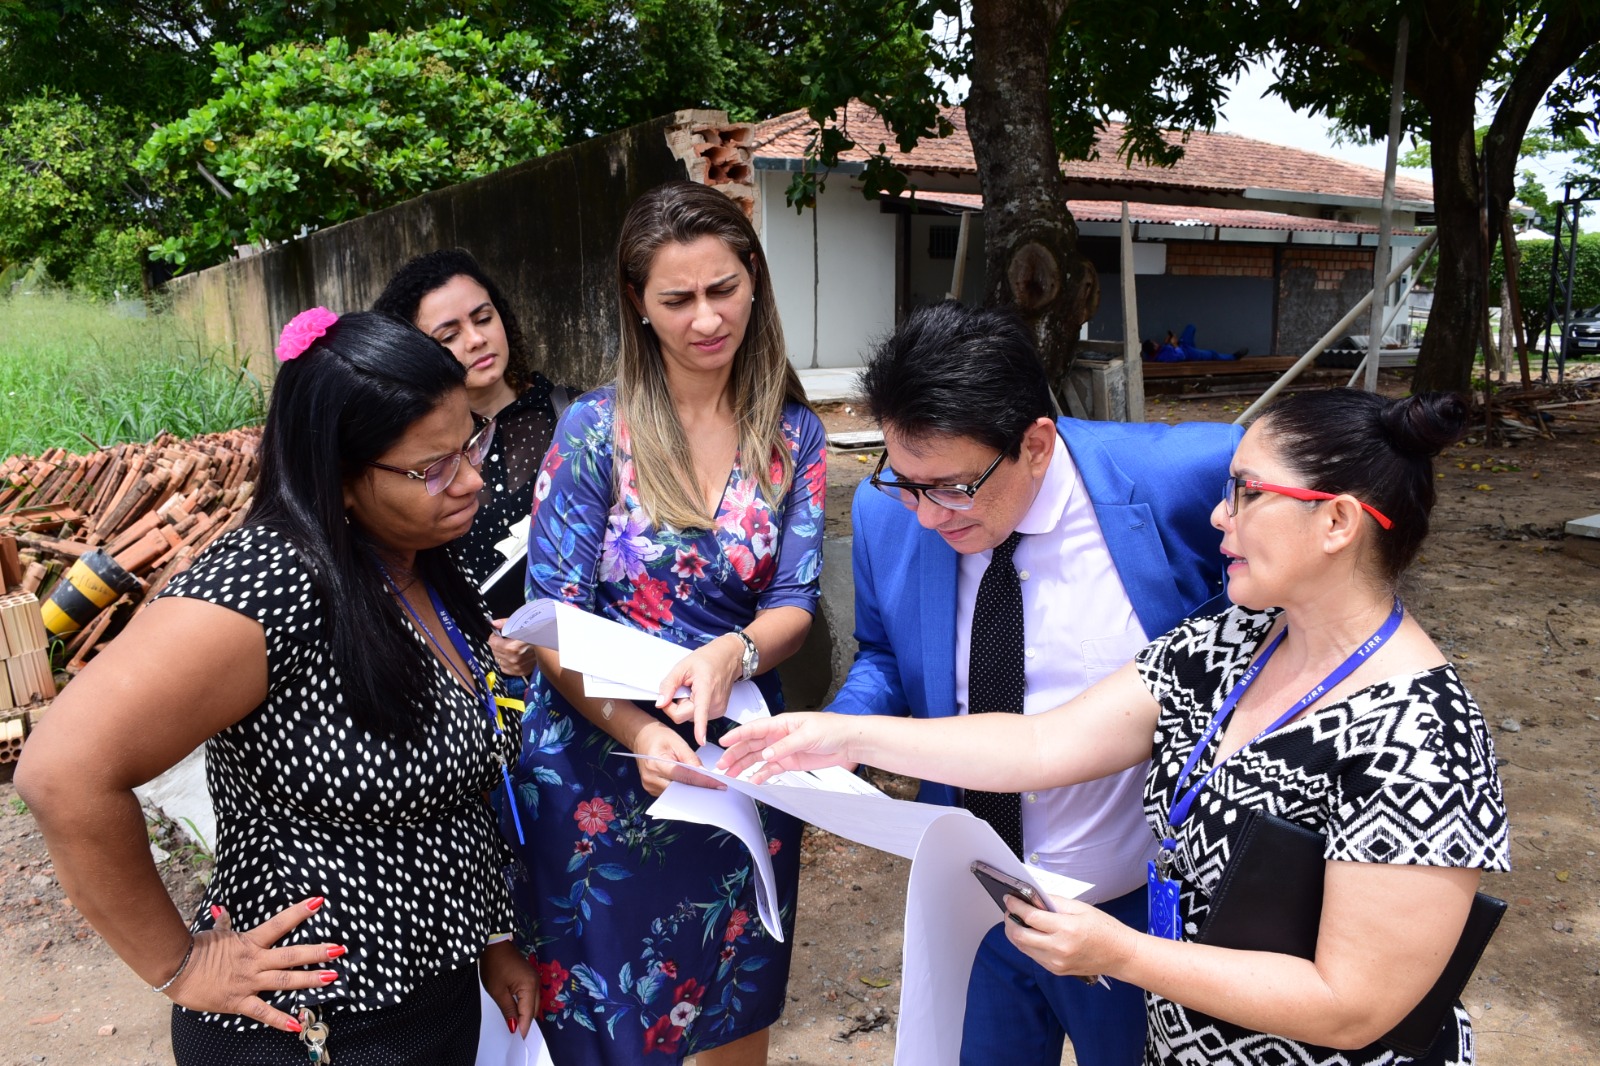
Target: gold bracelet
(179,971)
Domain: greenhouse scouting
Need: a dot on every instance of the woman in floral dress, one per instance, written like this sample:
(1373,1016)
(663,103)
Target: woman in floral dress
(651,511)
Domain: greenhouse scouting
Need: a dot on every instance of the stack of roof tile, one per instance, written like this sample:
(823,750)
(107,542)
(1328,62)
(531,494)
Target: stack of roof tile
(152,507)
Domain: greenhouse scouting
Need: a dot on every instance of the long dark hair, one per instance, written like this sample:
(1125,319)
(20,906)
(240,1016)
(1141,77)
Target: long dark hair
(417,278)
(1380,451)
(344,401)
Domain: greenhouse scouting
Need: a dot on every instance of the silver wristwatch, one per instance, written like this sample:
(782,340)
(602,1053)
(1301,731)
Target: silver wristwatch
(750,660)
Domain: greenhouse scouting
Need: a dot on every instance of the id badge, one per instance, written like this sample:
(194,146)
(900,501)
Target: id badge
(1163,905)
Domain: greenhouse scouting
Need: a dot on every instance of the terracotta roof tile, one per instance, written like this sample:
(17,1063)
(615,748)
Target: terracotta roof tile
(1211,161)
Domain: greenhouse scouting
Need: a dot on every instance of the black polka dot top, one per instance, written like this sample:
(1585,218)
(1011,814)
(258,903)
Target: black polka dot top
(395,834)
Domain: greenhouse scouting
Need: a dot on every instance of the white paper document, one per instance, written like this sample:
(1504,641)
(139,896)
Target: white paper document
(734,810)
(947,915)
(515,549)
(947,910)
(844,805)
(617,662)
(498,1046)
(736,814)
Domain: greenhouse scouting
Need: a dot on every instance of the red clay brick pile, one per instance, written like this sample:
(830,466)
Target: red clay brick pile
(152,507)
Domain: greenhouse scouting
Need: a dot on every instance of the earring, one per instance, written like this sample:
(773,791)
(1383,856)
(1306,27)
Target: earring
(643,320)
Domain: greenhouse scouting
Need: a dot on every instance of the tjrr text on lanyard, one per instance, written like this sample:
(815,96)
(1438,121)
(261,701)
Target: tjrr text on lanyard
(1164,890)
(480,683)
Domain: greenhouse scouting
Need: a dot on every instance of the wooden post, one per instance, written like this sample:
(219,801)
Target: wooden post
(958,277)
(1132,355)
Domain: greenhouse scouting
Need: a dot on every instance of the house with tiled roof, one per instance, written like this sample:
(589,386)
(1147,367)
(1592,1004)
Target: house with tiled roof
(1261,247)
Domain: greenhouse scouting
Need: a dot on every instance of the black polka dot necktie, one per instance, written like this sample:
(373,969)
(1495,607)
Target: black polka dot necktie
(995,679)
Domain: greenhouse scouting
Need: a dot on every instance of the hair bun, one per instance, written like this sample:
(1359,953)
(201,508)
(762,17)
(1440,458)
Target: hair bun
(1426,423)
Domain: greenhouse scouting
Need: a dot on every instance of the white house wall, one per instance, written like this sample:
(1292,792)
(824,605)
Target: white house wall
(854,275)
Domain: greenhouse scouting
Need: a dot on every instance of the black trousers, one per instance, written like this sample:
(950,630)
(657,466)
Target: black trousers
(437,1025)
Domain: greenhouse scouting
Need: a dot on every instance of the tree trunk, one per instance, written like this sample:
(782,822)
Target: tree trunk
(1566,33)
(1449,346)
(1030,240)
(1472,193)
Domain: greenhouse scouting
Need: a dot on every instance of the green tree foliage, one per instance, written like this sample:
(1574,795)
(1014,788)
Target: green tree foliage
(1540,143)
(1338,61)
(101,74)
(1533,280)
(300,136)
(619,62)
(1163,66)
(601,64)
(66,203)
(1046,78)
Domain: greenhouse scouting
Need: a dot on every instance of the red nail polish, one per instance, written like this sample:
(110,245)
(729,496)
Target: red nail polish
(313,903)
(216,913)
(336,950)
(513,1023)
(294,1026)
(328,977)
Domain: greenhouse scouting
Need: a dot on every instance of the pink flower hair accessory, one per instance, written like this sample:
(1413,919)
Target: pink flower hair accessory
(303,329)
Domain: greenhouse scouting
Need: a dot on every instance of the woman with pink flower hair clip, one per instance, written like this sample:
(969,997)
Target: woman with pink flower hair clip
(330,657)
(683,499)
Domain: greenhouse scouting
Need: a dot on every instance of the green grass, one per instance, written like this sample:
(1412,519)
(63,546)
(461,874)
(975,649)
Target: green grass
(75,372)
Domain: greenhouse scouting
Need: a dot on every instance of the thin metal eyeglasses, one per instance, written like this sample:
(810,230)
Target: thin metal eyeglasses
(441,473)
(1230,497)
(950,497)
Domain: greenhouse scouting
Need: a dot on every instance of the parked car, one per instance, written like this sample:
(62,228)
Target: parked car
(1583,332)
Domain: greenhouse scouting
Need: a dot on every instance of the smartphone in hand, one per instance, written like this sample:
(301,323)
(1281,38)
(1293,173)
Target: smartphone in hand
(999,885)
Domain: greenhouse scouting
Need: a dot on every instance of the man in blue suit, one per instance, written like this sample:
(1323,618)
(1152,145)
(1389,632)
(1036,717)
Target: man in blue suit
(1116,548)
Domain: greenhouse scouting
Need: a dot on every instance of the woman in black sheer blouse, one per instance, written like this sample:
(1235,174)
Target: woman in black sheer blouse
(447,295)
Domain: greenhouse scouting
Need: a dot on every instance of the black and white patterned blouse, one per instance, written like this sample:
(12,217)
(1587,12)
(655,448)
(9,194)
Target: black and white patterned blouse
(395,835)
(1401,771)
(521,436)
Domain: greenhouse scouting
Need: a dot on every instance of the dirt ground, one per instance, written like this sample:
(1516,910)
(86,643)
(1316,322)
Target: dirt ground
(1507,596)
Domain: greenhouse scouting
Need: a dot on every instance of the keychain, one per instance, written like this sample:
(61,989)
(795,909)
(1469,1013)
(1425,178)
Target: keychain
(314,1035)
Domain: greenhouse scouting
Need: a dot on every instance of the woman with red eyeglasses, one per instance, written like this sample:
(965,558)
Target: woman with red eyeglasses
(332,659)
(1316,699)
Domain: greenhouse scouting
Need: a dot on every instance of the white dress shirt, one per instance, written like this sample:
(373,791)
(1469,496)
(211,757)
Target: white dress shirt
(1078,626)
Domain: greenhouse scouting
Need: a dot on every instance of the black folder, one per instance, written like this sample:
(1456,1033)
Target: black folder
(1270,899)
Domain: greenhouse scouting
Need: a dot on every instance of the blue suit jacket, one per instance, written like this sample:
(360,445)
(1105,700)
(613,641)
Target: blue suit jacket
(1153,487)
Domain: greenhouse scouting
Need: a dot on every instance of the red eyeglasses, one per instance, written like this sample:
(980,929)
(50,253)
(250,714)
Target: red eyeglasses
(1230,497)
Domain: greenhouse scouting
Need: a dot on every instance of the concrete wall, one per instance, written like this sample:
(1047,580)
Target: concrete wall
(1228,313)
(1316,286)
(545,230)
(853,278)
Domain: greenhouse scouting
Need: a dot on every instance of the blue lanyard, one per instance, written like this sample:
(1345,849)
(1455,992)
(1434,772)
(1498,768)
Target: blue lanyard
(1182,803)
(480,682)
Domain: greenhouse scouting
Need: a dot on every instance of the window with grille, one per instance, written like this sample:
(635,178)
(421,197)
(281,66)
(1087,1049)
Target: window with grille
(942,241)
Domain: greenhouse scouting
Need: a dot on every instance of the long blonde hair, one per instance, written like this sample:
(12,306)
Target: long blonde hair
(762,380)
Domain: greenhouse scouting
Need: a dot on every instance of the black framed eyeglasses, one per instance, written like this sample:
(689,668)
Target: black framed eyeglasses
(441,473)
(950,497)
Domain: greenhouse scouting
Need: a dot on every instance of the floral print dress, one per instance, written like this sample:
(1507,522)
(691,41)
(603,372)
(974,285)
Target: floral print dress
(645,932)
